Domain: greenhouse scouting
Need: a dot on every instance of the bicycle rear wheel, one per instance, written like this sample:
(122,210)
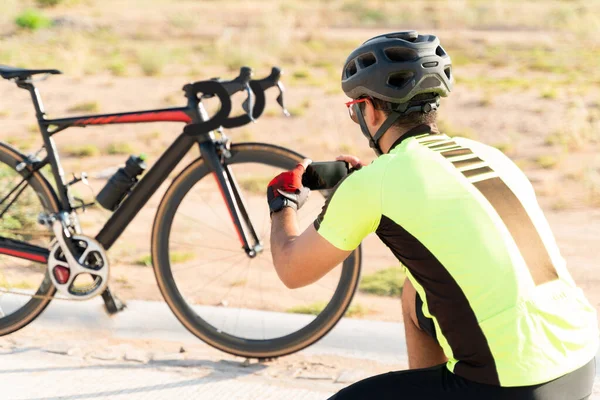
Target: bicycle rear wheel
(229,300)
(25,288)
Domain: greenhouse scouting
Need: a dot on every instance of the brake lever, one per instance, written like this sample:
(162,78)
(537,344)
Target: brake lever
(248,104)
(280,99)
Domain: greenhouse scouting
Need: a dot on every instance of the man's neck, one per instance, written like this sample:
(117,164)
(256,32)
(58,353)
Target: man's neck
(395,133)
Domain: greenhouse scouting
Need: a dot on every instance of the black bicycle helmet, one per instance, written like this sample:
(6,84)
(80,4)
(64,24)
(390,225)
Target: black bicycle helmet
(397,66)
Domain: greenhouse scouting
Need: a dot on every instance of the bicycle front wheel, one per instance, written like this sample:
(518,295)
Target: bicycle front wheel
(229,300)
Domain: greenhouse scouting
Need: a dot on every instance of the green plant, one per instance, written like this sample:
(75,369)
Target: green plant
(312,309)
(87,150)
(175,257)
(145,260)
(385,282)
(549,93)
(32,20)
(355,310)
(48,3)
(254,184)
(117,68)
(546,161)
(4,283)
(560,204)
(152,62)
(505,147)
(245,136)
(123,281)
(87,106)
(150,136)
(119,148)
(301,74)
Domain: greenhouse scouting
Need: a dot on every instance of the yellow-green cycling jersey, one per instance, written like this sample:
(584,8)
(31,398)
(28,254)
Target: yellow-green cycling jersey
(465,223)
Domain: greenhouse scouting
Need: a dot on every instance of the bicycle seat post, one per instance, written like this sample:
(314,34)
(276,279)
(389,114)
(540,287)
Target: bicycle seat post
(36,98)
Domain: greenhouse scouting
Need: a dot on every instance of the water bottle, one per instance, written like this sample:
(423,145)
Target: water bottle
(119,184)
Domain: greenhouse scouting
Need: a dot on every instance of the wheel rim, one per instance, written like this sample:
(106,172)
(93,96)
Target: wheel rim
(238,299)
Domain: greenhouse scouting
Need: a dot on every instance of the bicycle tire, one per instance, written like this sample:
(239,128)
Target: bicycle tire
(47,196)
(254,348)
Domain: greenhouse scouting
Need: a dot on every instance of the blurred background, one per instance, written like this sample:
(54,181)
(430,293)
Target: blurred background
(527,82)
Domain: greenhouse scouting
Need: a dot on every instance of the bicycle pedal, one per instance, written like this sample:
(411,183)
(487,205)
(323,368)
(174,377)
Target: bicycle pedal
(112,304)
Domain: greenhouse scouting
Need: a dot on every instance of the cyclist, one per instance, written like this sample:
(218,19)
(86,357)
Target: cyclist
(490,310)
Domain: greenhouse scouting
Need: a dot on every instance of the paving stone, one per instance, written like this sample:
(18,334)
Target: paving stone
(313,376)
(105,355)
(57,348)
(167,357)
(137,356)
(75,352)
(349,376)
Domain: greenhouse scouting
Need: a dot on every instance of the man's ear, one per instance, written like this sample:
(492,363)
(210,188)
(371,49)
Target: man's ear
(373,117)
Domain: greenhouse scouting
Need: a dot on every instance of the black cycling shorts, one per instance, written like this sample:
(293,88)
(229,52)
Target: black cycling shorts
(438,383)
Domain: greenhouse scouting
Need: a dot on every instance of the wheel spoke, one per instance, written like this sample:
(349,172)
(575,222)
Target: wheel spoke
(226,234)
(212,208)
(208,262)
(203,246)
(231,266)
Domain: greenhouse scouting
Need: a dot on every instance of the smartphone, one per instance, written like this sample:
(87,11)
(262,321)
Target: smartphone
(324,175)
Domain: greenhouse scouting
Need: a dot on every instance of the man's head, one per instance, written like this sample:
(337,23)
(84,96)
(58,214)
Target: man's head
(396,80)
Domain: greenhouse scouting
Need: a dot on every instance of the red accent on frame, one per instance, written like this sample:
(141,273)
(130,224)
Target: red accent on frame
(166,116)
(230,213)
(26,256)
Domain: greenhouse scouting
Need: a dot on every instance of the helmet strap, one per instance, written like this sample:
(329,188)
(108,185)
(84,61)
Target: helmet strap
(374,140)
(365,129)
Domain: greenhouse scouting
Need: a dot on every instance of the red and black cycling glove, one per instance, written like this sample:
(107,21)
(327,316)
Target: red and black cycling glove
(286,190)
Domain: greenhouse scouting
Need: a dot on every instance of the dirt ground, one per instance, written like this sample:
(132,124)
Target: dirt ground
(576,229)
(520,122)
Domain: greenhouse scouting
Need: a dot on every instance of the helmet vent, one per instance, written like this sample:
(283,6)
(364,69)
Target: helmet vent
(448,72)
(351,69)
(440,52)
(366,60)
(400,54)
(400,79)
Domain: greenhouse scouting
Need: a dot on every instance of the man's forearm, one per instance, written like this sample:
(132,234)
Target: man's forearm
(284,230)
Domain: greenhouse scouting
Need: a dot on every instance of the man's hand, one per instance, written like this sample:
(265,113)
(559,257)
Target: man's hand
(352,160)
(286,190)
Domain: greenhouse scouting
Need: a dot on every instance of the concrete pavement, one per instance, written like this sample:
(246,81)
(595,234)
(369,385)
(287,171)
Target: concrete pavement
(74,351)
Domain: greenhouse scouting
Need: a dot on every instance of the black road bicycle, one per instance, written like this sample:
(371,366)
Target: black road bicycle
(209,246)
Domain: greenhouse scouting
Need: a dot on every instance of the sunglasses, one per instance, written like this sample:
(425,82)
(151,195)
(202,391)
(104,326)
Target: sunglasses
(351,112)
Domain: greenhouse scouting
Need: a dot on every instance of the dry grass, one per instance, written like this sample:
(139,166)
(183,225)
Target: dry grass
(120,148)
(175,257)
(547,161)
(385,282)
(87,150)
(354,311)
(87,107)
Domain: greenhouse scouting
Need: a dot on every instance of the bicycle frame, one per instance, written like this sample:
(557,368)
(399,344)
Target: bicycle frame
(193,113)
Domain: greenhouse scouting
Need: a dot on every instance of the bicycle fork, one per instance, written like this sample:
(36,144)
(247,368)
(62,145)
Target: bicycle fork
(231,195)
